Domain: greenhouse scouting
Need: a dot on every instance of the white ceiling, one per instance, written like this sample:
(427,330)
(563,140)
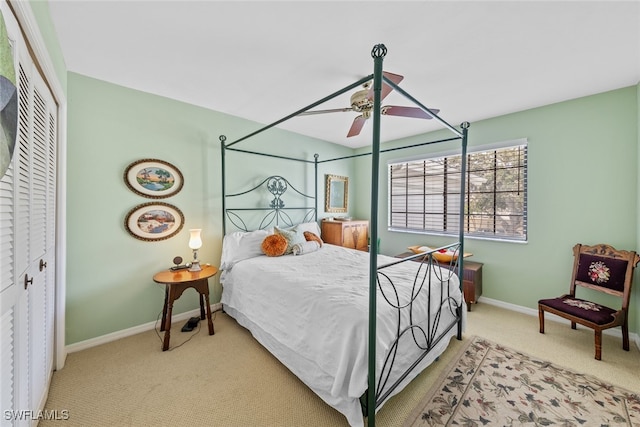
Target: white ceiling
(263,60)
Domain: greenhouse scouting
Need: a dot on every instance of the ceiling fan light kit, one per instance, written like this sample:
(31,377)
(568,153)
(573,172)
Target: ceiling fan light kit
(362,102)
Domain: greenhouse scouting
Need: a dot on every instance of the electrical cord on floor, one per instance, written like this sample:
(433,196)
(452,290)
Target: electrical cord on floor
(157,329)
(182,343)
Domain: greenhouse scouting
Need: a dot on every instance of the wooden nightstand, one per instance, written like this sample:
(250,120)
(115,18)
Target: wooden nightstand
(176,283)
(352,234)
(471,281)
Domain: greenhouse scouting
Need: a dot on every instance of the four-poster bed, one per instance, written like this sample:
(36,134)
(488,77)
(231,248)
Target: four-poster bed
(319,313)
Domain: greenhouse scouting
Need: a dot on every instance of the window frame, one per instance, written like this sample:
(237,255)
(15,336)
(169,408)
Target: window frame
(456,194)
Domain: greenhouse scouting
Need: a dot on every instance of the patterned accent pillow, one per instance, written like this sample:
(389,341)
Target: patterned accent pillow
(293,237)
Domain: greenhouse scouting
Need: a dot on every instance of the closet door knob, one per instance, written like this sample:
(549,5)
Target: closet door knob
(43,264)
(27,281)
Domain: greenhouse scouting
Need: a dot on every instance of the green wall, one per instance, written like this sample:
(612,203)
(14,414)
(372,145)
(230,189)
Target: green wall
(582,188)
(109,273)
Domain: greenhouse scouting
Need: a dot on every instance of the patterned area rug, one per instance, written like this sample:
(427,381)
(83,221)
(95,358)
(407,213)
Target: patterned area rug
(491,385)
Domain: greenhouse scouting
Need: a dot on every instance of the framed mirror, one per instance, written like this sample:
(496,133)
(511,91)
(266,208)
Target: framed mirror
(336,193)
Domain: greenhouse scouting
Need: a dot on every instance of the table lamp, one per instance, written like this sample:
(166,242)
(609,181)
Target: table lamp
(195,243)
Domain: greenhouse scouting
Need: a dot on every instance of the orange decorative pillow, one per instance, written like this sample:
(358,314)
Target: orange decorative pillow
(312,237)
(274,245)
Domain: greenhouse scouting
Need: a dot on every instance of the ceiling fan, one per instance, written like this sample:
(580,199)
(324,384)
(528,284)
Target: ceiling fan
(362,102)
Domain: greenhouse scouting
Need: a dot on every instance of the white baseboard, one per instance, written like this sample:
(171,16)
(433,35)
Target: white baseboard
(83,345)
(617,332)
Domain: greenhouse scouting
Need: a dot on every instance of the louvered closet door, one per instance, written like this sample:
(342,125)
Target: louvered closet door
(22,200)
(41,245)
(27,245)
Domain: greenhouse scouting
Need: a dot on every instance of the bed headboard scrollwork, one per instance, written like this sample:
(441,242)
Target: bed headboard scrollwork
(250,210)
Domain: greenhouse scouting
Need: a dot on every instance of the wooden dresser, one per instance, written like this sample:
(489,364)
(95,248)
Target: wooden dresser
(350,234)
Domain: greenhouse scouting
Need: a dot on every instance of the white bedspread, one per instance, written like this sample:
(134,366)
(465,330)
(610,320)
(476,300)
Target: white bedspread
(311,312)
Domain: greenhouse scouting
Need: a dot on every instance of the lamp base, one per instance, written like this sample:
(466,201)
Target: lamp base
(195,266)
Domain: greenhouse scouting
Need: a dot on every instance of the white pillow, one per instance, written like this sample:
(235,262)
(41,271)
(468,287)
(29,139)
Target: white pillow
(292,235)
(308,226)
(241,245)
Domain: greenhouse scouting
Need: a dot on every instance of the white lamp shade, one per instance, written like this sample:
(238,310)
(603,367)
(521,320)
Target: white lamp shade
(195,241)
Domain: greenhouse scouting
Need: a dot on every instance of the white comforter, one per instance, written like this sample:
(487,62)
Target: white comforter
(311,312)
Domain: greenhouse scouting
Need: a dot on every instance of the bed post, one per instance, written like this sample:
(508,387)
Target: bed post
(315,164)
(378,53)
(463,176)
(223,139)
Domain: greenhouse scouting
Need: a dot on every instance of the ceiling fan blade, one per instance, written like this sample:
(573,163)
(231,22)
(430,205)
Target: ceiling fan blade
(333,110)
(415,112)
(386,89)
(356,126)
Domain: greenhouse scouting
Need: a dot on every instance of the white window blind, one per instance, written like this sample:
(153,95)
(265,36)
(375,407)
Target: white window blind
(424,194)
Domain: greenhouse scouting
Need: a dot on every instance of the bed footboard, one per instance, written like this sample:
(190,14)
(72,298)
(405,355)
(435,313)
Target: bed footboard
(420,320)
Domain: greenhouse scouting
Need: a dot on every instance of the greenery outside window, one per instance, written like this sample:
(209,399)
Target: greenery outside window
(424,194)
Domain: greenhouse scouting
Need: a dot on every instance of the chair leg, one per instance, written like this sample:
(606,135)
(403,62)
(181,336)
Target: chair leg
(541,318)
(625,336)
(598,335)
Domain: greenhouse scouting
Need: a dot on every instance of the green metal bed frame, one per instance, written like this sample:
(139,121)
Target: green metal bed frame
(277,185)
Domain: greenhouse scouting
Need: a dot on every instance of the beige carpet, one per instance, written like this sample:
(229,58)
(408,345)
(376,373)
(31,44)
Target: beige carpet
(229,380)
(492,384)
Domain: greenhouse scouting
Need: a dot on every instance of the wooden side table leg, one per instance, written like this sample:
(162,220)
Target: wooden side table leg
(164,308)
(209,321)
(167,327)
(202,307)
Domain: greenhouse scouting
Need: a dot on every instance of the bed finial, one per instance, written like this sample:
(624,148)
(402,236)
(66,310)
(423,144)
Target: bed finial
(465,125)
(316,155)
(223,138)
(379,51)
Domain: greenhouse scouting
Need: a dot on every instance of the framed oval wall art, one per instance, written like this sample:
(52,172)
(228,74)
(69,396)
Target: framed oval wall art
(153,178)
(154,221)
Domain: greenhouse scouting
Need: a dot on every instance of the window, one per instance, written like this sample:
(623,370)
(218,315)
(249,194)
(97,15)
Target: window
(424,194)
